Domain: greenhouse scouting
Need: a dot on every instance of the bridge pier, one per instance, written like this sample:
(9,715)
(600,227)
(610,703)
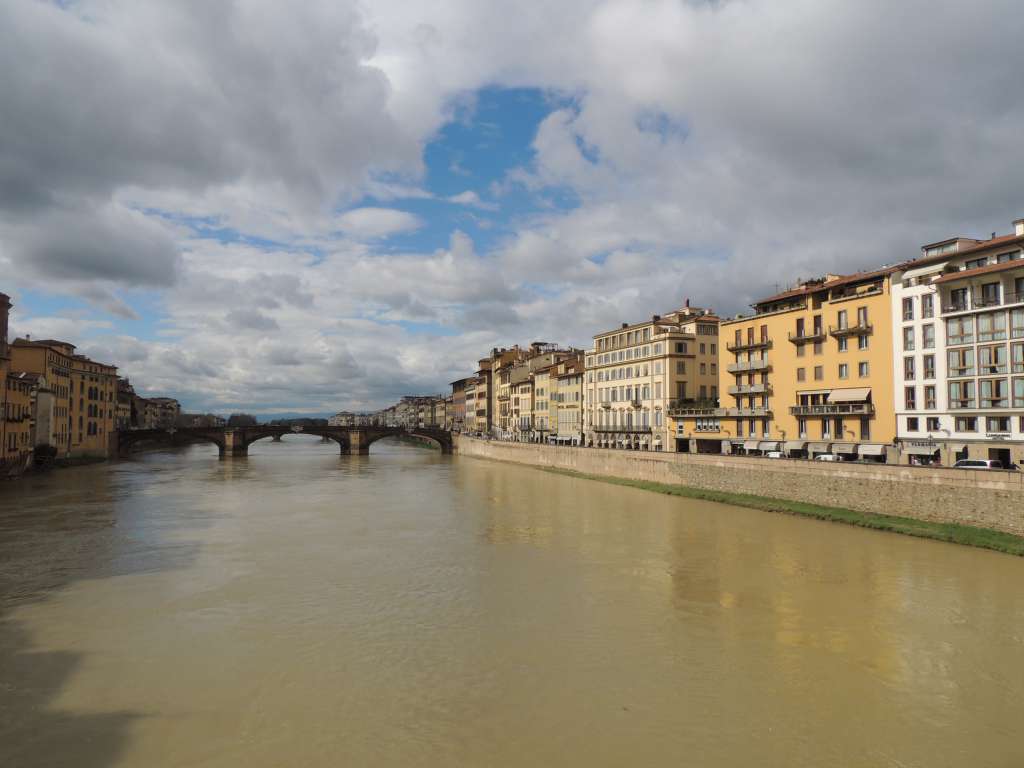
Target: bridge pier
(277,438)
(358,443)
(234,443)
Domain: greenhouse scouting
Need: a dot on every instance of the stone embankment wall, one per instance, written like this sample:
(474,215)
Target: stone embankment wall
(992,500)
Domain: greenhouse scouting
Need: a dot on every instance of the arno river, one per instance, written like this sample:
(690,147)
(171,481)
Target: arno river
(298,608)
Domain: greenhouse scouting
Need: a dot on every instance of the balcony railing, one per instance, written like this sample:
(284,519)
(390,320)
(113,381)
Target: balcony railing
(833,409)
(815,334)
(750,389)
(749,366)
(747,345)
(735,413)
(861,329)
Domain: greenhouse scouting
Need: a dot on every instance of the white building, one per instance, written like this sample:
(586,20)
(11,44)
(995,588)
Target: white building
(958,319)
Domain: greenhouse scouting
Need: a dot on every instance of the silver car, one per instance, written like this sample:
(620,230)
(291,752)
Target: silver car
(978,464)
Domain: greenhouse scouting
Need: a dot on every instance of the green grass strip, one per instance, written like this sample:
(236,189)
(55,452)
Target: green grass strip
(952,532)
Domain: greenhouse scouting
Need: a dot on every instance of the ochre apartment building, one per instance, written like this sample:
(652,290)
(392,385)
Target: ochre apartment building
(809,373)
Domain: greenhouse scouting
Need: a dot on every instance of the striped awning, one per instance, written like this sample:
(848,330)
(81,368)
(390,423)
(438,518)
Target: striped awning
(750,445)
(819,447)
(767,445)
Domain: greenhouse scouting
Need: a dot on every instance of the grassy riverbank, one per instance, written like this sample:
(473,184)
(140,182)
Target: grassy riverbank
(958,534)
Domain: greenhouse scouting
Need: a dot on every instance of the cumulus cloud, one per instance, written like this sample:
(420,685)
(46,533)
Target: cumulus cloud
(373,223)
(712,151)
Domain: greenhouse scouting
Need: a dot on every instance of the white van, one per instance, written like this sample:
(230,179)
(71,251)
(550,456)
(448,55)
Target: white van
(978,464)
(829,457)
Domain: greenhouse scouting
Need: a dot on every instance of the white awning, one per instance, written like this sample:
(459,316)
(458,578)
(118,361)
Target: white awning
(818,447)
(795,445)
(854,395)
(871,450)
(844,447)
(750,445)
(767,445)
(930,269)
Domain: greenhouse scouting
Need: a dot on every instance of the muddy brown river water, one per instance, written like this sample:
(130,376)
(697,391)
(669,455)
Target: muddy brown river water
(297,608)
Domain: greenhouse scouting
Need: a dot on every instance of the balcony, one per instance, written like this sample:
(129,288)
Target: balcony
(838,331)
(684,411)
(833,409)
(815,334)
(750,389)
(749,366)
(748,345)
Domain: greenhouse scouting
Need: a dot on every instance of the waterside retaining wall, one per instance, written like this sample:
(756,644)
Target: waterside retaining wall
(992,500)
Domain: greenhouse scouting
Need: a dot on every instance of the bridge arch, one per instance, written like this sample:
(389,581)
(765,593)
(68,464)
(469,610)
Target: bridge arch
(439,437)
(254,434)
(133,440)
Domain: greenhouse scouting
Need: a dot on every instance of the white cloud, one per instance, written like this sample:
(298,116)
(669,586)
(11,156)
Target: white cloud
(472,199)
(375,223)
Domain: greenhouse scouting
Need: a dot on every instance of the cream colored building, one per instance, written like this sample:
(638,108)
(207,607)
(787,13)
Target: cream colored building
(635,373)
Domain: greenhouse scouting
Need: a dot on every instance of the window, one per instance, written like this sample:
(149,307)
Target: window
(908,308)
(1017,358)
(681,347)
(703,349)
(927,306)
(865,428)
(818,347)
(975,263)
(841,321)
(910,398)
(959,330)
(801,374)
(960,362)
(862,316)
(1018,394)
(703,369)
(961,394)
(908,338)
(1017,320)
(800,350)
(908,368)
(844,343)
(844,371)
(991,360)
(862,342)
(928,336)
(989,295)
(862,369)
(997,424)
(929,398)
(680,366)
(932,424)
(965,424)
(992,327)
(994,393)
(801,427)
(819,373)
(929,366)
(912,424)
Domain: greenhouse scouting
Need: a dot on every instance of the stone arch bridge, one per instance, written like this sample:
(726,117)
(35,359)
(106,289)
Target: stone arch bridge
(235,441)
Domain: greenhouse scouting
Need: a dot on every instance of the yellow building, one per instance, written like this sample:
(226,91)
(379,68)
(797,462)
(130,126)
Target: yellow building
(93,406)
(809,373)
(85,395)
(16,428)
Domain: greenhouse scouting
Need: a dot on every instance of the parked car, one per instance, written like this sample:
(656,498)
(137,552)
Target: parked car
(829,457)
(978,464)
(775,455)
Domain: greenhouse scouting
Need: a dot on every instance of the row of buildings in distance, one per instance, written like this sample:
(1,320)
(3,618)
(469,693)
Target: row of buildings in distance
(920,362)
(56,403)
(410,412)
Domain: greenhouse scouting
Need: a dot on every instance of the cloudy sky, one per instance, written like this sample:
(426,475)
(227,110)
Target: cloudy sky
(309,206)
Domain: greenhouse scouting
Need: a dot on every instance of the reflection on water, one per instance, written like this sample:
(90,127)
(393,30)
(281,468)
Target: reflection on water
(297,607)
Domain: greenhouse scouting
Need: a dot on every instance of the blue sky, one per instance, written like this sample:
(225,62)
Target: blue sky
(508,174)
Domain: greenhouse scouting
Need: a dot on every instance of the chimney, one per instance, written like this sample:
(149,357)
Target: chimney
(1018,228)
(687,305)
(655,318)
(625,325)
(5,311)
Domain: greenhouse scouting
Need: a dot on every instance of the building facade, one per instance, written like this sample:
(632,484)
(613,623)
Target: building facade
(959,351)
(809,373)
(635,373)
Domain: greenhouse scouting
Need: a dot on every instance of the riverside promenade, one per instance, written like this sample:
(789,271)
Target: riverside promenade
(989,500)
